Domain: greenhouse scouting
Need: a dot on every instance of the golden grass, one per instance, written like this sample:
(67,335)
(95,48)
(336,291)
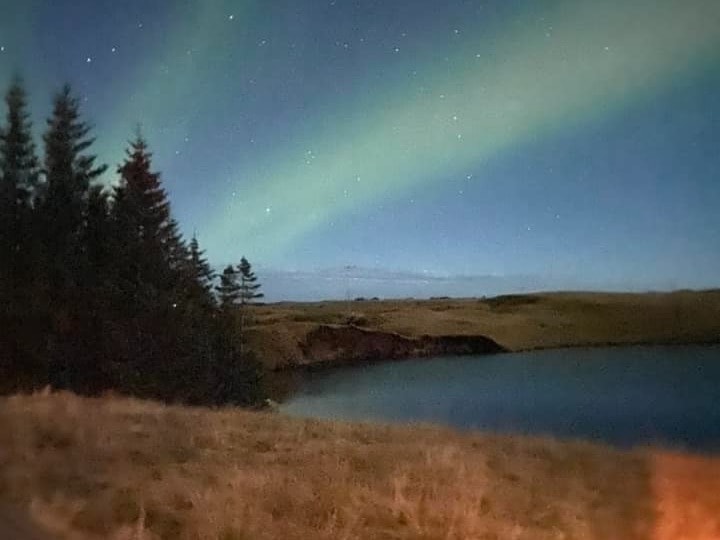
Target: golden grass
(518,322)
(121,468)
(687,497)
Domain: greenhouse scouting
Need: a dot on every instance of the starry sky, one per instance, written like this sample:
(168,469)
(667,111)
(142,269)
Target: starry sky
(573,140)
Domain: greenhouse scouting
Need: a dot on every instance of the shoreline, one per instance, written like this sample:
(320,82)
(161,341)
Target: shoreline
(329,365)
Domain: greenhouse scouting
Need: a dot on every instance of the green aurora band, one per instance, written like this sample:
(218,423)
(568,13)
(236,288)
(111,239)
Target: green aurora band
(599,58)
(165,79)
(508,89)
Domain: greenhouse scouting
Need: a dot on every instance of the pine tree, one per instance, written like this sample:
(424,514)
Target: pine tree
(91,355)
(175,247)
(62,211)
(22,361)
(19,171)
(152,319)
(153,253)
(248,293)
(97,226)
(69,171)
(229,288)
(200,274)
(199,325)
(248,283)
(238,373)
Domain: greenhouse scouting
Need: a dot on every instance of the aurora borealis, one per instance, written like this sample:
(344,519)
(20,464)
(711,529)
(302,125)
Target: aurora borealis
(564,138)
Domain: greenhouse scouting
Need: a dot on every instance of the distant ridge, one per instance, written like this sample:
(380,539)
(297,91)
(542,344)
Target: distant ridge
(349,282)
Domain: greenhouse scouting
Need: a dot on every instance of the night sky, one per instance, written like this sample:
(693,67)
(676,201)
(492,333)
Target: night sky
(574,140)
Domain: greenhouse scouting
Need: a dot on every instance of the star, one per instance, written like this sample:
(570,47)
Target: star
(231,17)
(2,48)
(88,60)
(113,49)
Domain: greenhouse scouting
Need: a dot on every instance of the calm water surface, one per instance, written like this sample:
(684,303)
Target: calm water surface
(625,396)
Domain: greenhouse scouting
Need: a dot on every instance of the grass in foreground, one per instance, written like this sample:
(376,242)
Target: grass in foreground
(121,468)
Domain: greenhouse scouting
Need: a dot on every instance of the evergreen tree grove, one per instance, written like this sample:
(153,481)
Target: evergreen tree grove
(98,288)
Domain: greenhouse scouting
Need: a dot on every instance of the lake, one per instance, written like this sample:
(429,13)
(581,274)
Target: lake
(623,396)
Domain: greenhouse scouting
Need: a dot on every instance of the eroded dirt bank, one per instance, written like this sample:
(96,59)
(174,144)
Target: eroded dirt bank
(344,344)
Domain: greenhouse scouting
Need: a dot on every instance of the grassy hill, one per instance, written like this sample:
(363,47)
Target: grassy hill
(515,322)
(125,469)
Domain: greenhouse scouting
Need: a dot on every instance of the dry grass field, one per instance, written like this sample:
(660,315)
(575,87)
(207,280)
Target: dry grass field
(117,468)
(517,322)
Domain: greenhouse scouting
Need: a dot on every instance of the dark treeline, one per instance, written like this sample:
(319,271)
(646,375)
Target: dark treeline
(98,289)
